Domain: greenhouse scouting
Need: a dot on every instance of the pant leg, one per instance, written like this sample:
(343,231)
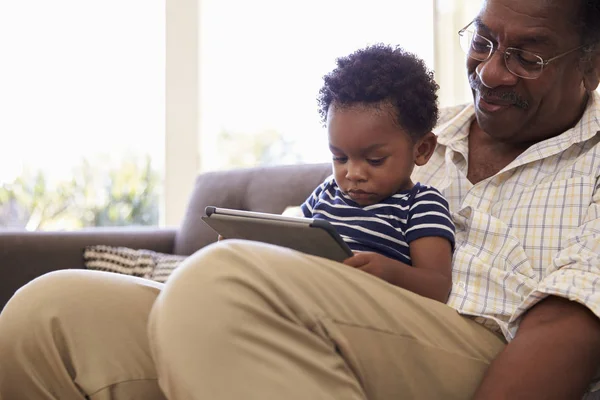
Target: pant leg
(71,334)
(243,320)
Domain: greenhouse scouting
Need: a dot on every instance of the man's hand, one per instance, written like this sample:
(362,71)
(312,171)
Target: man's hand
(375,264)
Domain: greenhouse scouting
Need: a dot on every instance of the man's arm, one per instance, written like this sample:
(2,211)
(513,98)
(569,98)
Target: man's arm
(554,355)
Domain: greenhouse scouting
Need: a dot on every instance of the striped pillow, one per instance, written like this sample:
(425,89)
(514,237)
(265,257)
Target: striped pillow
(122,260)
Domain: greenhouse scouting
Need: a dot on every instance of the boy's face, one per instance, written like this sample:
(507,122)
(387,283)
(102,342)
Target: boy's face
(373,157)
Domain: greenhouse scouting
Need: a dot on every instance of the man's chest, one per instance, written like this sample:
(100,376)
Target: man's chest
(485,163)
(486,159)
(519,215)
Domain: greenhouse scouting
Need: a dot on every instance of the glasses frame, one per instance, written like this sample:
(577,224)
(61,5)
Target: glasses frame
(506,53)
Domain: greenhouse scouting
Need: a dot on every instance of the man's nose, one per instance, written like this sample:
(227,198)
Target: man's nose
(355,172)
(494,73)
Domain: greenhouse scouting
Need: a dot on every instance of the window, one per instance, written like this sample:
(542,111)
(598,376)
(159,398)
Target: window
(81,112)
(261,67)
(450,60)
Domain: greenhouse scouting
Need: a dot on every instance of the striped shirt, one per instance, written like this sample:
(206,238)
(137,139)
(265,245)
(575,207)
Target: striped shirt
(531,230)
(387,227)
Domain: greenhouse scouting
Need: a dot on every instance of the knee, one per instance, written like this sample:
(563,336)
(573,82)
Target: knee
(227,263)
(27,319)
(37,302)
(67,296)
(223,283)
(227,273)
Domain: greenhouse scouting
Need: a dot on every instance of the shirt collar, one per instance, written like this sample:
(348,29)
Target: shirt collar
(589,124)
(455,123)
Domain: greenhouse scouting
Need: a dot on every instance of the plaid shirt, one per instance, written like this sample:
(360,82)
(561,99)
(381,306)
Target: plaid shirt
(531,230)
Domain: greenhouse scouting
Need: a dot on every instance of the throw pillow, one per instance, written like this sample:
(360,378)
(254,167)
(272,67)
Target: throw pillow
(164,265)
(122,260)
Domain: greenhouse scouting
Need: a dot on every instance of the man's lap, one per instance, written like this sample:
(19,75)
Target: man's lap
(389,338)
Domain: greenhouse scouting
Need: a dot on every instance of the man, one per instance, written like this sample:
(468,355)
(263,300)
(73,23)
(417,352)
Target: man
(520,169)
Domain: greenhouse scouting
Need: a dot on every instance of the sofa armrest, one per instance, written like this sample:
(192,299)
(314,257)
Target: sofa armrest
(26,255)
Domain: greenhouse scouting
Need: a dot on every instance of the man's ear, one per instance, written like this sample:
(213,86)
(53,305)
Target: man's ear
(591,70)
(424,148)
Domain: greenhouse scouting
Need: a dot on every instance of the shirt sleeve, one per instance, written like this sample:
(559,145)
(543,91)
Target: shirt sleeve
(575,270)
(429,215)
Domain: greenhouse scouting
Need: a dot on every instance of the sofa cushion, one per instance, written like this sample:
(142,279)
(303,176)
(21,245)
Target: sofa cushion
(265,189)
(122,260)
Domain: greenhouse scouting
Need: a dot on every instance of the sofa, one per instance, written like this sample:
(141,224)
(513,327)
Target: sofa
(27,255)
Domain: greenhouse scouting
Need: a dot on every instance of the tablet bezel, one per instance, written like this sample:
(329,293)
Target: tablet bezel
(336,249)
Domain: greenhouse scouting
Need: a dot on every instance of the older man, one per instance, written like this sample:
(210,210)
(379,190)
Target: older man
(521,170)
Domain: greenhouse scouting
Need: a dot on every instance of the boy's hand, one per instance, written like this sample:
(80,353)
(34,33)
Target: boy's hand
(375,264)
(220,238)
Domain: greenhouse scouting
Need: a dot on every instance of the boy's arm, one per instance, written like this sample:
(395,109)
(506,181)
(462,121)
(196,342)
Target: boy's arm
(430,276)
(430,234)
(432,260)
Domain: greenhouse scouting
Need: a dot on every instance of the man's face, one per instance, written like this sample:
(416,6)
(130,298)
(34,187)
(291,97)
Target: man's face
(524,111)
(372,156)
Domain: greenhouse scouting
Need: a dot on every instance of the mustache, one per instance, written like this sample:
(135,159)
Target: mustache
(501,95)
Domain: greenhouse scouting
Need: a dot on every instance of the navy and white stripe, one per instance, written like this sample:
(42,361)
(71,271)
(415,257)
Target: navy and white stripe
(387,227)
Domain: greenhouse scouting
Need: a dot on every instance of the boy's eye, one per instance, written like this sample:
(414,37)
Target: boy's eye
(376,161)
(340,160)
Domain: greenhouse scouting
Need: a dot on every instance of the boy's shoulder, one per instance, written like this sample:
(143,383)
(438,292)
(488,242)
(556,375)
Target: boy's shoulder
(410,196)
(328,186)
(423,187)
(429,193)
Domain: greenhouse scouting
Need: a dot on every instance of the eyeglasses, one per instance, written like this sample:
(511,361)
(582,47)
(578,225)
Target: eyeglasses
(521,63)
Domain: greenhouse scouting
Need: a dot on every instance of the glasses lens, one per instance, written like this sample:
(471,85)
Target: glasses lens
(475,46)
(523,63)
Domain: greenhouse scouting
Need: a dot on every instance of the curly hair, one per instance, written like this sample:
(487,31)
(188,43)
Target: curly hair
(384,74)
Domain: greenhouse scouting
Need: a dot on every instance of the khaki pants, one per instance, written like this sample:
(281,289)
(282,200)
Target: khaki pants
(238,320)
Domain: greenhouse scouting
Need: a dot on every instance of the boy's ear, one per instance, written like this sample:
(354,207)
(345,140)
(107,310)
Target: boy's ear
(424,148)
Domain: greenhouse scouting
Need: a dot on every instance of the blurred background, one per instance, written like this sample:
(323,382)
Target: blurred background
(109,110)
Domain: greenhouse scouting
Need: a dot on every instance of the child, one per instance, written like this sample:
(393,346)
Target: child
(379,106)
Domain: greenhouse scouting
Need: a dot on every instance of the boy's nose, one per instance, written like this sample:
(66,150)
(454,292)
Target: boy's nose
(355,172)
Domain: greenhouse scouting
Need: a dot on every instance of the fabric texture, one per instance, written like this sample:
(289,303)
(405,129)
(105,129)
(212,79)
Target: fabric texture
(278,323)
(387,227)
(141,263)
(79,334)
(531,230)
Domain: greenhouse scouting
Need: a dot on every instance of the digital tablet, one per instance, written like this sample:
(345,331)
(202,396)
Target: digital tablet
(312,236)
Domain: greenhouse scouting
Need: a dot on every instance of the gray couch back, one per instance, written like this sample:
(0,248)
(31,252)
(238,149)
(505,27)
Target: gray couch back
(267,189)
